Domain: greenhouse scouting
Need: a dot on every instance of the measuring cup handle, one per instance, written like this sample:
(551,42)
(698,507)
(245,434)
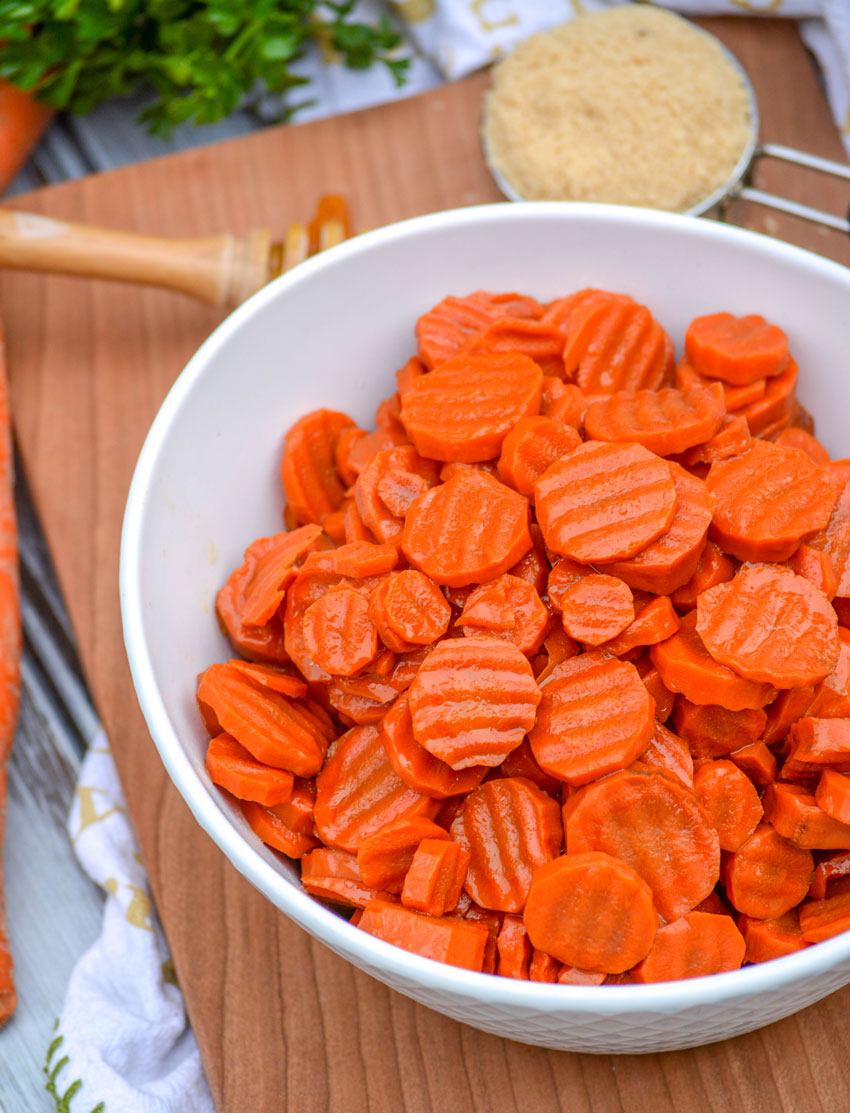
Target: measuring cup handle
(794,208)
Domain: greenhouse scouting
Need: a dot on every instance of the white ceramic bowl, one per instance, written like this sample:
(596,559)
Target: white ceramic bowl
(331,333)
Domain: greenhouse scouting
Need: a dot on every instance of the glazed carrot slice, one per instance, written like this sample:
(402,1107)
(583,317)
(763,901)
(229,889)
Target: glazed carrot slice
(361,559)
(354,528)
(833,795)
(714,567)
(733,438)
(735,397)
(257,643)
(541,342)
(614,346)
(738,350)
(492,921)
(434,881)
(757,762)
(534,566)
(668,752)
(331,874)
(793,811)
(659,693)
(832,696)
(654,824)
(792,643)
(713,732)
(514,949)
(673,559)
(339,634)
(815,566)
(276,730)
(384,857)
(415,765)
(545,968)
(272,561)
(820,741)
(443,330)
(560,311)
(834,540)
(563,402)
(470,529)
(595,717)
(564,573)
(521,762)
(232,767)
(509,827)
(605,502)
(273,829)
(358,793)
(592,911)
(266,676)
(664,421)
(830,869)
(821,919)
(768,875)
(464,410)
(730,800)
(315,578)
(799,438)
(653,623)
(533,445)
(699,943)
(473,701)
(311,480)
(767,939)
(387,487)
(786,709)
(507,608)
(768,501)
(409,609)
(455,942)
(407,375)
(597,608)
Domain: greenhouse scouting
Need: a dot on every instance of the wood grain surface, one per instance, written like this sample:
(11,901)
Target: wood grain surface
(283,1024)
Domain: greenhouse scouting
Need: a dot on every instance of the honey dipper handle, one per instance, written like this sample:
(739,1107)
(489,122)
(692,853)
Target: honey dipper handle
(221,270)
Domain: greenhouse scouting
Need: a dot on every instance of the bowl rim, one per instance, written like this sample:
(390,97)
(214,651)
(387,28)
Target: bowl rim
(327,926)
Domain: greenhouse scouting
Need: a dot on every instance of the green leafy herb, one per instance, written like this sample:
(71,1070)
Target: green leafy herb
(200,56)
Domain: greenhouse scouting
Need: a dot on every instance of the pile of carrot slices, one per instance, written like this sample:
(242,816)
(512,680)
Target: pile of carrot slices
(548,674)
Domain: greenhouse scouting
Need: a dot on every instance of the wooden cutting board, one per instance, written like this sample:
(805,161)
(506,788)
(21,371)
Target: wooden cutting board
(282,1023)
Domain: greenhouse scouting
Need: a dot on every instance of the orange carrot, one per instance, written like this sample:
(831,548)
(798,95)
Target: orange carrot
(653,623)
(699,943)
(267,676)
(539,341)
(383,858)
(768,875)
(434,881)
(793,811)
(713,732)
(817,567)
(334,875)
(735,397)
(738,350)
(668,752)
(786,709)
(834,539)
(507,608)
(388,485)
(830,869)
(443,330)
(521,762)
(514,948)
(799,438)
(659,693)
(456,942)
(339,634)
(408,609)
(560,311)
(596,609)
(767,939)
(714,567)
(731,801)
(534,566)
(275,828)
(774,410)
(564,573)
(664,421)
(733,438)
(232,767)
(544,968)
(571,975)
(563,402)
(614,346)
(309,473)
(531,447)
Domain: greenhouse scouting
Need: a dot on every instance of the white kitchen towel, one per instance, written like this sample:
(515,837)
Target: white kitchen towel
(123,1043)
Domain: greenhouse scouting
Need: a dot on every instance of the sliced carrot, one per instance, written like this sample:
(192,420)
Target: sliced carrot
(770,626)
(455,942)
(541,342)
(592,911)
(793,811)
(521,762)
(768,501)
(470,529)
(832,695)
(738,350)
(833,795)
(266,676)
(257,643)
(733,438)
(664,421)
(605,502)
(731,801)
(822,919)
(564,573)
(653,623)
(314,579)
(531,447)
(735,397)
(834,540)
(614,346)
(829,869)
(409,609)
(714,567)
(492,921)
(560,311)
(354,528)
(534,566)
(559,646)
(686,666)
(566,402)
(464,410)
(757,762)
(786,709)
(387,487)
(444,329)
(384,857)
(415,765)
(544,968)
(768,875)
(507,608)
(712,731)
(799,438)
(660,694)
(331,874)
(358,793)
(407,375)
(815,566)
(434,881)
(509,827)
(670,561)
(597,608)
(768,939)
(274,830)
(595,716)
(699,943)
(272,561)
(652,822)
(515,949)
(232,767)
(339,634)
(359,560)
(820,741)
(668,752)
(276,730)
(311,479)
(777,406)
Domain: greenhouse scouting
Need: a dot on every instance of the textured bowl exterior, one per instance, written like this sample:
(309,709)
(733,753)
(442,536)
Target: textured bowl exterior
(331,333)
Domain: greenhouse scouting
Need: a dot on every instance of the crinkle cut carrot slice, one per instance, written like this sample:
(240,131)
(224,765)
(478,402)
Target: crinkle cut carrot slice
(473,701)
(358,792)
(434,882)
(834,539)
(668,752)
(272,561)
(277,731)
(664,421)
(362,559)
(605,502)
(735,397)
(563,574)
(821,919)
(793,811)
(384,857)
(563,402)
(521,762)
(777,406)
(767,939)
(465,409)
(275,832)
(733,438)
(443,330)
(668,563)
(560,311)
(534,566)
(770,626)
(686,666)
(768,875)
(739,350)
(415,765)
(654,824)
(333,875)
(731,801)
(799,438)
(616,346)
(470,529)
(597,608)
(541,342)
(409,609)
(339,634)
(711,731)
(832,795)
(591,911)
(258,643)
(387,487)
(757,762)
(661,695)
(509,609)
(698,944)
(654,623)
(232,767)
(311,479)
(509,827)
(447,939)
(714,567)
(595,717)
(559,646)
(531,447)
